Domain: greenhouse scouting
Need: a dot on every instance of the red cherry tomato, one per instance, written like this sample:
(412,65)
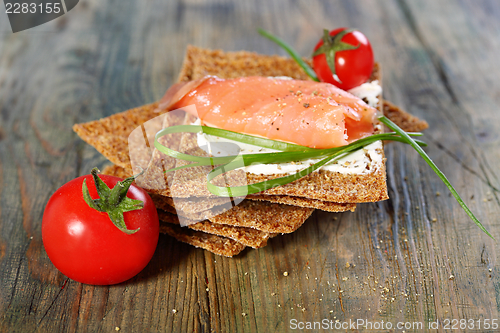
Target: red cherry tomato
(353,67)
(86,246)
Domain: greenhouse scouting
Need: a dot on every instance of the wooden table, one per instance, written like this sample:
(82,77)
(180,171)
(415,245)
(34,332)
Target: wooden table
(415,258)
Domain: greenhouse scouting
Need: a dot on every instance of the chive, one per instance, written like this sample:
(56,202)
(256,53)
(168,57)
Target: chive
(294,153)
(404,136)
(249,139)
(438,172)
(289,152)
(309,71)
(236,191)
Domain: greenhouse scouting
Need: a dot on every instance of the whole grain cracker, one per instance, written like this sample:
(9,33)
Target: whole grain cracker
(216,244)
(198,204)
(246,236)
(261,215)
(403,119)
(328,206)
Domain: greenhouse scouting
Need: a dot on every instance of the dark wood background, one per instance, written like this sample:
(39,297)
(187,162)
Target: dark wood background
(414,258)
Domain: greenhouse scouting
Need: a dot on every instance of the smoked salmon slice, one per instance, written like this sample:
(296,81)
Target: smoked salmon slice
(307,113)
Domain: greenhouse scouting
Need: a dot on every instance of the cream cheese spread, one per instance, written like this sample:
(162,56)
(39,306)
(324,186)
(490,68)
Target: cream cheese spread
(364,160)
(368,91)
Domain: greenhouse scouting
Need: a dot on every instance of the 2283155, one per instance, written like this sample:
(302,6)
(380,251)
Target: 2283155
(24,8)
(478,324)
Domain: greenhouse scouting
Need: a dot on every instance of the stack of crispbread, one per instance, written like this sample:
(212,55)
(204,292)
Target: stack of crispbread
(218,225)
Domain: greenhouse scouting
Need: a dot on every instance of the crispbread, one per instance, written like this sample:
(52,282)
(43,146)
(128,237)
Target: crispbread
(194,204)
(261,215)
(403,119)
(168,204)
(251,237)
(110,135)
(246,236)
(328,206)
(265,216)
(216,244)
(198,204)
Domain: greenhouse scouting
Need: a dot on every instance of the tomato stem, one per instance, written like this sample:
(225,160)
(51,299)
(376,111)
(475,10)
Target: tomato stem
(332,45)
(113,202)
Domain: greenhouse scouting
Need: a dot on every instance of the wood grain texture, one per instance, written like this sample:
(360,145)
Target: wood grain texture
(414,258)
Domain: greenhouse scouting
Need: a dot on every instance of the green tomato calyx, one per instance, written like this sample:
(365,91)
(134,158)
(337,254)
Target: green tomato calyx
(113,201)
(332,45)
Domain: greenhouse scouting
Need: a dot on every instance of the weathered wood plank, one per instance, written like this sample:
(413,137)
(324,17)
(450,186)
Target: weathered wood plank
(387,261)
